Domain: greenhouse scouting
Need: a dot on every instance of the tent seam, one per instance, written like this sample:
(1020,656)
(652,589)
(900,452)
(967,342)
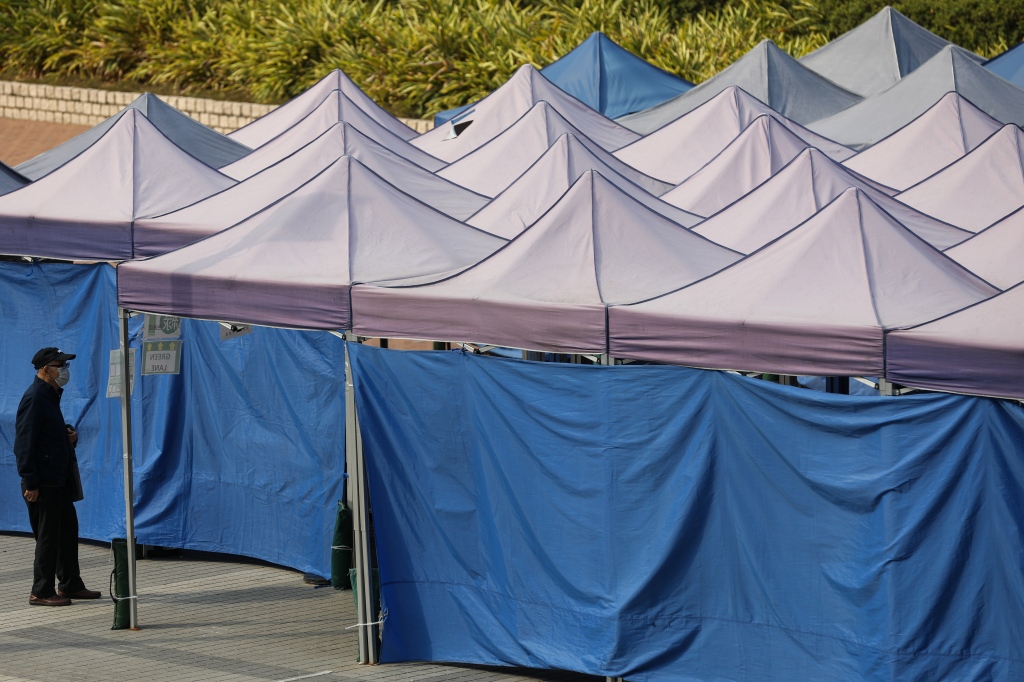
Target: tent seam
(593,239)
(864,255)
(895,52)
(960,123)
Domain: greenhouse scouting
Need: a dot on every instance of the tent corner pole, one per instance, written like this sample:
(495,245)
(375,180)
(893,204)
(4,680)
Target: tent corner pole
(358,502)
(126,440)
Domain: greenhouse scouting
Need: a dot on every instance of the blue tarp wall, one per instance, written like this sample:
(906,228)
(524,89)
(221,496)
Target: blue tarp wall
(662,523)
(242,452)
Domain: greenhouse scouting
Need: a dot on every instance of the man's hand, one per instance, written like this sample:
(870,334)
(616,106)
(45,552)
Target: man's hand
(31,495)
(73,436)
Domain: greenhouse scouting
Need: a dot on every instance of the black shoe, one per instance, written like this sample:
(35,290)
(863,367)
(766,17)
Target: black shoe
(55,600)
(81,594)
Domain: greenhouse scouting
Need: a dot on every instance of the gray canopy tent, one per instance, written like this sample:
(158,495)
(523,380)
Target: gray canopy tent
(767,73)
(877,54)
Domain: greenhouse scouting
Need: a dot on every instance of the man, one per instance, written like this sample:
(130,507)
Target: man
(45,448)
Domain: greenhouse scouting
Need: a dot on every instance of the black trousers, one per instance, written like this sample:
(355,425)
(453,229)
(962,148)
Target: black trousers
(55,527)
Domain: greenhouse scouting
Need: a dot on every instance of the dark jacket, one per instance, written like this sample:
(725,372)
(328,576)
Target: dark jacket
(41,442)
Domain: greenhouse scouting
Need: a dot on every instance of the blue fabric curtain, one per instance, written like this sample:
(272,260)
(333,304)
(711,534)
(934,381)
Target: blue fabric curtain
(663,523)
(242,452)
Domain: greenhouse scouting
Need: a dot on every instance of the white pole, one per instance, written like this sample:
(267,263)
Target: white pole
(126,440)
(358,502)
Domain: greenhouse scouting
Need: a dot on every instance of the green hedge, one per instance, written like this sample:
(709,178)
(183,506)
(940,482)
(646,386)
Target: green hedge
(416,57)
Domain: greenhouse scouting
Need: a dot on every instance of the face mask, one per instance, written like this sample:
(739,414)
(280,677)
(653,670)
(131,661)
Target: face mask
(63,376)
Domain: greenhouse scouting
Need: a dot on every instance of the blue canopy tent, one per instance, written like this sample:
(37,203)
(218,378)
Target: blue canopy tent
(1009,65)
(607,78)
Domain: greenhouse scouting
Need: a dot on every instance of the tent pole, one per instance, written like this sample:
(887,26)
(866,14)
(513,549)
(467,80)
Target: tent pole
(358,502)
(885,387)
(126,440)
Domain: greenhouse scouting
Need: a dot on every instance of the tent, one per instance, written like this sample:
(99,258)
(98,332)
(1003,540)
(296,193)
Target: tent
(392,165)
(767,73)
(995,252)
(877,54)
(760,151)
(548,289)
(798,191)
(11,179)
(978,350)
(952,69)
(267,127)
(605,77)
(1009,65)
(209,146)
(334,108)
(539,188)
(951,128)
(498,162)
(664,524)
(169,231)
(506,105)
(611,79)
(814,301)
(292,263)
(85,208)
(678,150)
(980,188)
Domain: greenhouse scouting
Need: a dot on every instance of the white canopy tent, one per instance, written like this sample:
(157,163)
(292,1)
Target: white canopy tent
(548,289)
(816,301)
(334,108)
(205,144)
(495,113)
(758,153)
(995,252)
(85,209)
(798,191)
(162,233)
(539,188)
(497,163)
(951,128)
(978,350)
(267,127)
(678,150)
(979,189)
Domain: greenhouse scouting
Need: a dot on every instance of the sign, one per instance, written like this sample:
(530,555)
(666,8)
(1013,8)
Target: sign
(232,330)
(161,357)
(158,327)
(114,377)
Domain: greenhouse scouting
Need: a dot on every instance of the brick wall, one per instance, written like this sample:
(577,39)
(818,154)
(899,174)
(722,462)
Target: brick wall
(86,106)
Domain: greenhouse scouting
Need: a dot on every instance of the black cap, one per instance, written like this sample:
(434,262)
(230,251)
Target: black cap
(50,354)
